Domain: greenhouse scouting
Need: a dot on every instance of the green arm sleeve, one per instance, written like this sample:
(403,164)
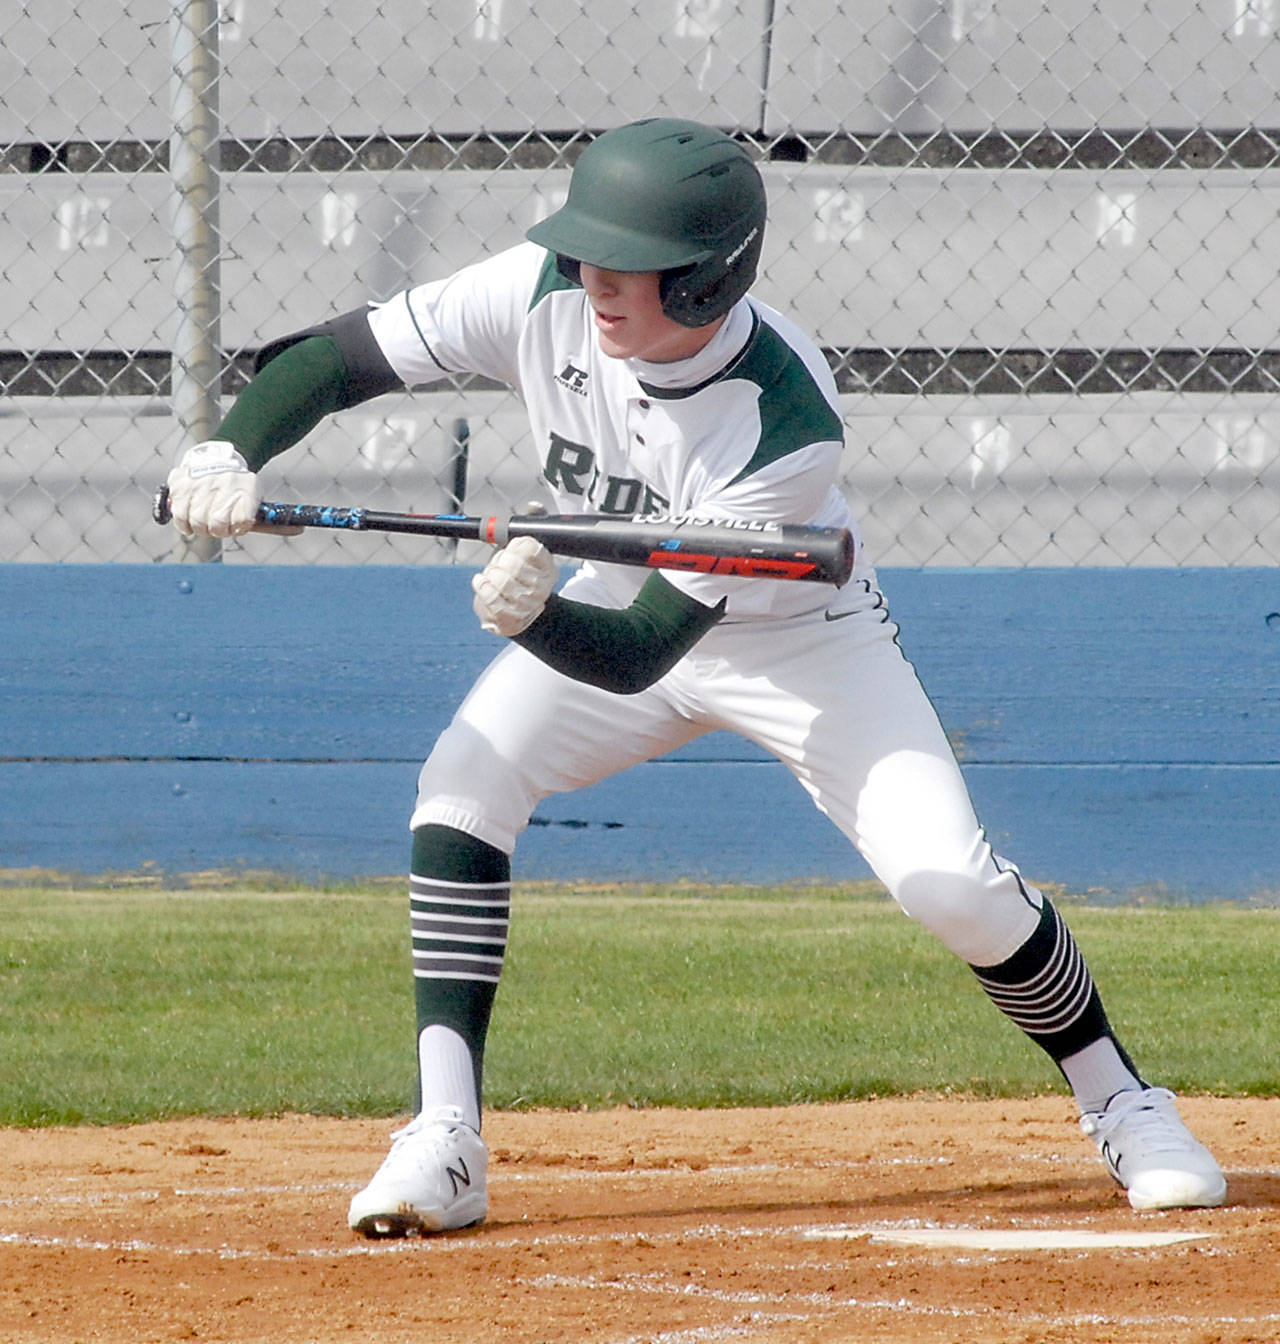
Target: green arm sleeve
(289,397)
(622,651)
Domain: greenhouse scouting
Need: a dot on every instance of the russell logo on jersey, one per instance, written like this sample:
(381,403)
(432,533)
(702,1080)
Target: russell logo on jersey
(573,378)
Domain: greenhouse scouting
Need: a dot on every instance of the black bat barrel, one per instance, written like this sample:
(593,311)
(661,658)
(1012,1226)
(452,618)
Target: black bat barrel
(816,554)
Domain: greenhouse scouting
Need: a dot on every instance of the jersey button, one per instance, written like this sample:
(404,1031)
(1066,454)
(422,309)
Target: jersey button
(644,405)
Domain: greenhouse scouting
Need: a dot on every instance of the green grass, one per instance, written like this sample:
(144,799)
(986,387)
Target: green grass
(128,1005)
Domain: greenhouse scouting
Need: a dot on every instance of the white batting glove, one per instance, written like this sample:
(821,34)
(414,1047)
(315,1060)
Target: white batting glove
(512,589)
(212,492)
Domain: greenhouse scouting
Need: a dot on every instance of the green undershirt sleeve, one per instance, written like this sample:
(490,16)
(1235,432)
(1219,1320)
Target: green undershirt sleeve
(622,651)
(288,398)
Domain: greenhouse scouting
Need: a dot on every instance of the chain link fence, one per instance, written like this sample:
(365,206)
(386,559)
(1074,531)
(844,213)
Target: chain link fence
(1039,246)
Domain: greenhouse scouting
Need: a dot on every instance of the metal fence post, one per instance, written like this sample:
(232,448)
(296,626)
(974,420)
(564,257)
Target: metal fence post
(193,166)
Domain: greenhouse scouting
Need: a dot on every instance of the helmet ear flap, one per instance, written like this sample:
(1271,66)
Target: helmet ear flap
(570,268)
(677,291)
(696,295)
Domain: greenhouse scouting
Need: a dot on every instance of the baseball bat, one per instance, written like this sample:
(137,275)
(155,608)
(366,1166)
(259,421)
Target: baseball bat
(753,550)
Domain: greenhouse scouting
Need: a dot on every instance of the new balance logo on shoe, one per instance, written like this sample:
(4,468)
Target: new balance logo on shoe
(460,1180)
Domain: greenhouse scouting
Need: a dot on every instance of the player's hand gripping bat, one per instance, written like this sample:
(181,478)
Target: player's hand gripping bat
(755,550)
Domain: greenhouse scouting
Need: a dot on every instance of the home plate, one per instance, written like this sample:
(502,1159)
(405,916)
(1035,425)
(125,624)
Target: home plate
(1005,1239)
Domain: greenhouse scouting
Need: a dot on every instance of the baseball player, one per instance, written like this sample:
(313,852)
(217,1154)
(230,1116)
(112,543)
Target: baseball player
(655,383)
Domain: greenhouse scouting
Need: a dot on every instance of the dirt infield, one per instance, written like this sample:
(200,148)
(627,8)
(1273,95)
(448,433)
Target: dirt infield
(649,1227)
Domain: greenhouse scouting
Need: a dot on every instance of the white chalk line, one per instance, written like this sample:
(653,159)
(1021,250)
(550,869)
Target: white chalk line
(155,1196)
(100,1198)
(485,1241)
(1013,1239)
(411,1245)
(708,1334)
(557,1175)
(825,1304)
(500,1175)
(97,1198)
(497,1178)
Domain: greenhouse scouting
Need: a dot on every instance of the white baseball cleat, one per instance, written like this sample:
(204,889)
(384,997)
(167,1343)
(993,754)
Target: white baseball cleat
(433,1180)
(1153,1154)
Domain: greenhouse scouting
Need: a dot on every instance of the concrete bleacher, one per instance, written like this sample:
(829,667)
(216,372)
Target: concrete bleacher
(970,257)
(863,256)
(1143,479)
(866,257)
(77,70)
(860,256)
(77,476)
(88,258)
(73,69)
(1015,65)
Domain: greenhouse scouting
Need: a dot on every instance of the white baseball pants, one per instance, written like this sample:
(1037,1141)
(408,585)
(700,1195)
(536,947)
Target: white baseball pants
(829,694)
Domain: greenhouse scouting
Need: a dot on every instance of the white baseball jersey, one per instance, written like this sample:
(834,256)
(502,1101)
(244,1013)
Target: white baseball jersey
(748,429)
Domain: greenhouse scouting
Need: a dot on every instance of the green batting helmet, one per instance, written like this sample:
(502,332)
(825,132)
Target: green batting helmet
(664,195)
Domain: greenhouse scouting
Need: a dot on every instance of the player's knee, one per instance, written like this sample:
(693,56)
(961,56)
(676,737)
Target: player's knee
(980,920)
(941,902)
(465,783)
